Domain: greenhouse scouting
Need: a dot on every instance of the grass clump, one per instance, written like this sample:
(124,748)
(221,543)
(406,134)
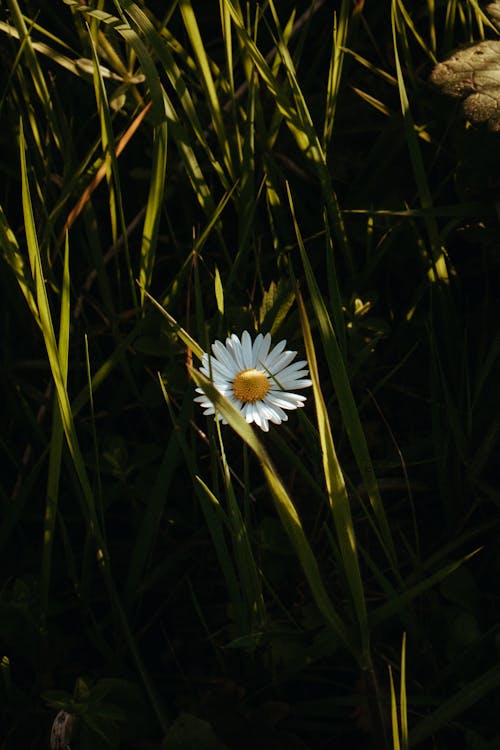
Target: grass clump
(172,175)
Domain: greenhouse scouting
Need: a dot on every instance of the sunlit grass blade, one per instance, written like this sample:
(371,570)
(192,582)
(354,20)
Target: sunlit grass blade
(403,702)
(207,82)
(347,404)
(57,369)
(248,573)
(159,41)
(132,38)
(56,446)
(239,570)
(36,73)
(99,175)
(437,260)
(153,208)
(394,713)
(297,118)
(78,66)
(9,248)
(111,160)
(339,41)
(285,509)
(337,492)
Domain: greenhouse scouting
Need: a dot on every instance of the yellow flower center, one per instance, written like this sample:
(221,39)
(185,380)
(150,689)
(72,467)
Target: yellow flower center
(251,385)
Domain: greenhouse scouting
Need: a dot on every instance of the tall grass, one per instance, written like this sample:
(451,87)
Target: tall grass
(186,172)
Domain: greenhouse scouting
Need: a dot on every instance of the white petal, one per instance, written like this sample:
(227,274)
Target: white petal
(224,356)
(291,369)
(281,416)
(261,350)
(272,358)
(216,369)
(285,400)
(284,360)
(274,413)
(258,417)
(246,348)
(292,385)
(246,411)
(233,345)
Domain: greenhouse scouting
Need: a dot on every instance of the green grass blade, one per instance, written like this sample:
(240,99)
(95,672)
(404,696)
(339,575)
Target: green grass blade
(39,82)
(153,208)
(438,269)
(248,573)
(297,118)
(464,699)
(132,38)
(347,404)
(148,528)
(159,42)
(56,446)
(337,492)
(339,41)
(217,520)
(403,703)
(285,509)
(58,370)
(111,161)
(12,255)
(207,82)
(394,713)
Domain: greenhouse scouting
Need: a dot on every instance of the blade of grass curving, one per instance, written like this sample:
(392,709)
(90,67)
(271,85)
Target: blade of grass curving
(339,41)
(111,161)
(188,340)
(35,72)
(347,404)
(154,207)
(99,174)
(466,697)
(437,258)
(247,198)
(336,491)
(297,118)
(418,38)
(78,66)
(56,446)
(159,42)
(10,250)
(216,518)
(248,572)
(333,288)
(57,370)
(308,141)
(155,501)
(285,509)
(207,82)
(133,39)
(399,601)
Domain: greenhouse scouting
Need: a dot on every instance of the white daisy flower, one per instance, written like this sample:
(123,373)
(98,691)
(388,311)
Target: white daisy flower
(259,381)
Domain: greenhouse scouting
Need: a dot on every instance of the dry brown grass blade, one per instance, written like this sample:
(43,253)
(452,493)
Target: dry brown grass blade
(101,172)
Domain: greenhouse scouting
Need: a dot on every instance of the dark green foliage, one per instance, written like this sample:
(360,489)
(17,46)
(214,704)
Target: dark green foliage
(149,588)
